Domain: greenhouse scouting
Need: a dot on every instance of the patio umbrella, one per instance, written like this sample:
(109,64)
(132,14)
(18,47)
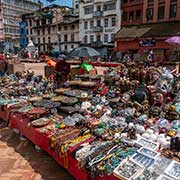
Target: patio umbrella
(175,40)
(82,52)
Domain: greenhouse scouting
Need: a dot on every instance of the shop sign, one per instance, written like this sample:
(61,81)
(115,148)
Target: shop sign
(147,43)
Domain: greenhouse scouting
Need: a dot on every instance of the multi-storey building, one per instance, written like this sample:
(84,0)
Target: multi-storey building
(160,20)
(11,11)
(99,22)
(132,12)
(161,10)
(54,27)
(76,7)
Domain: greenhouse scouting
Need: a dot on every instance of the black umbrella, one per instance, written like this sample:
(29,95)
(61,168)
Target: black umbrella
(82,52)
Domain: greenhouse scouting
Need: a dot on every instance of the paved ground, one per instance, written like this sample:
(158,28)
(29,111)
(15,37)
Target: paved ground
(20,161)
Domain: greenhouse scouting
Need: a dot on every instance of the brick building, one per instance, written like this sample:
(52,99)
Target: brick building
(132,12)
(161,10)
(159,20)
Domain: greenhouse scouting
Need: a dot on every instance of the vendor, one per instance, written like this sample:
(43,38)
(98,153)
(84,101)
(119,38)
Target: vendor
(62,70)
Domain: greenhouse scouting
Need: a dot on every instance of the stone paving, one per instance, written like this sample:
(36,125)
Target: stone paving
(20,161)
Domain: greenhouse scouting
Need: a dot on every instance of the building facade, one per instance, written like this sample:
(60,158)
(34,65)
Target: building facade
(161,11)
(76,7)
(11,11)
(160,20)
(99,22)
(54,27)
(132,12)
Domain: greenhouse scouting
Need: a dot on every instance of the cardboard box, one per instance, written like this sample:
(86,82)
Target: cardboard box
(49,70)
(13,68)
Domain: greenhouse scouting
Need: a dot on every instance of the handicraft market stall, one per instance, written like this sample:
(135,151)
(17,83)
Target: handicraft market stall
(123,125)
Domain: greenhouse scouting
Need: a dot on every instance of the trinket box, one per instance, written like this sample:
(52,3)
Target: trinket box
(173,170)
(142,142)
(128,170)
(148,152)
(142,160)
(164,177)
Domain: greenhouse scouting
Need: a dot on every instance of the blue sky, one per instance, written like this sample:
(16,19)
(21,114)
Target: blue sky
(59,2)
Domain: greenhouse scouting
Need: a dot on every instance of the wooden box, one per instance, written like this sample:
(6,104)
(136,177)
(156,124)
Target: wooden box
(49,70)
(13,68)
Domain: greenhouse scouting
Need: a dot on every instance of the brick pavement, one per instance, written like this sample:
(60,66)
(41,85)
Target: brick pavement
(20,161)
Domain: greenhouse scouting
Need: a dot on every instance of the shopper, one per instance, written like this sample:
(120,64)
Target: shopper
(62,71)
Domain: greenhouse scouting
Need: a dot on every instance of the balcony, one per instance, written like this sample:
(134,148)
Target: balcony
(97,44)
(98,14)
(98,29)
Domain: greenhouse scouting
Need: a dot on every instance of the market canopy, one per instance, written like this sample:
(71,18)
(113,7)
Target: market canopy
(164,29)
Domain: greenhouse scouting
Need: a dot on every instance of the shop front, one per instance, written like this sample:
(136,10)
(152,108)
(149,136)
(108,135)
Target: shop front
(139,40)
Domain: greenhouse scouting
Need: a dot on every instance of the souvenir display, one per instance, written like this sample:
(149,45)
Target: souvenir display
(46,104)
(173,170)
(128,170)
(124,123)
(40,122)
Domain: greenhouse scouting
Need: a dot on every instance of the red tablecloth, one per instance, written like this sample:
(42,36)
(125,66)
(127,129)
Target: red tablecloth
(4,114)
(20,122)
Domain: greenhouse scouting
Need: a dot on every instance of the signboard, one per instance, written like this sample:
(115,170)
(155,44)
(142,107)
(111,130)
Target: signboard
(147,43)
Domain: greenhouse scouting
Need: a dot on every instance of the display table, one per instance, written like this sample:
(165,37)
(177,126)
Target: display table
(4,113)
(18,121)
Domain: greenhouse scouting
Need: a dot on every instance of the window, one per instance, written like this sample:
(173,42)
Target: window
(106,22)
(124,1)
(91,24)
(150,14)
(65,47)
(39,41)
(49,40)
(72,37)
(38,32)
(113,21)
(125,16)
(73,27)
(59,27)
(109,6)
(98,22)
(30,22)
(65,38)
(131,15)
(88,10)
(49,30)
(91,38)
(31,31)
(112,37)
(98,38)
(138,15)
(85,39)
(77,6)
(105,38)
(72,46)
(59,38)
(98,8)
(85,25)
(65,28)
(173,10)
(161,12)
(44,40)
